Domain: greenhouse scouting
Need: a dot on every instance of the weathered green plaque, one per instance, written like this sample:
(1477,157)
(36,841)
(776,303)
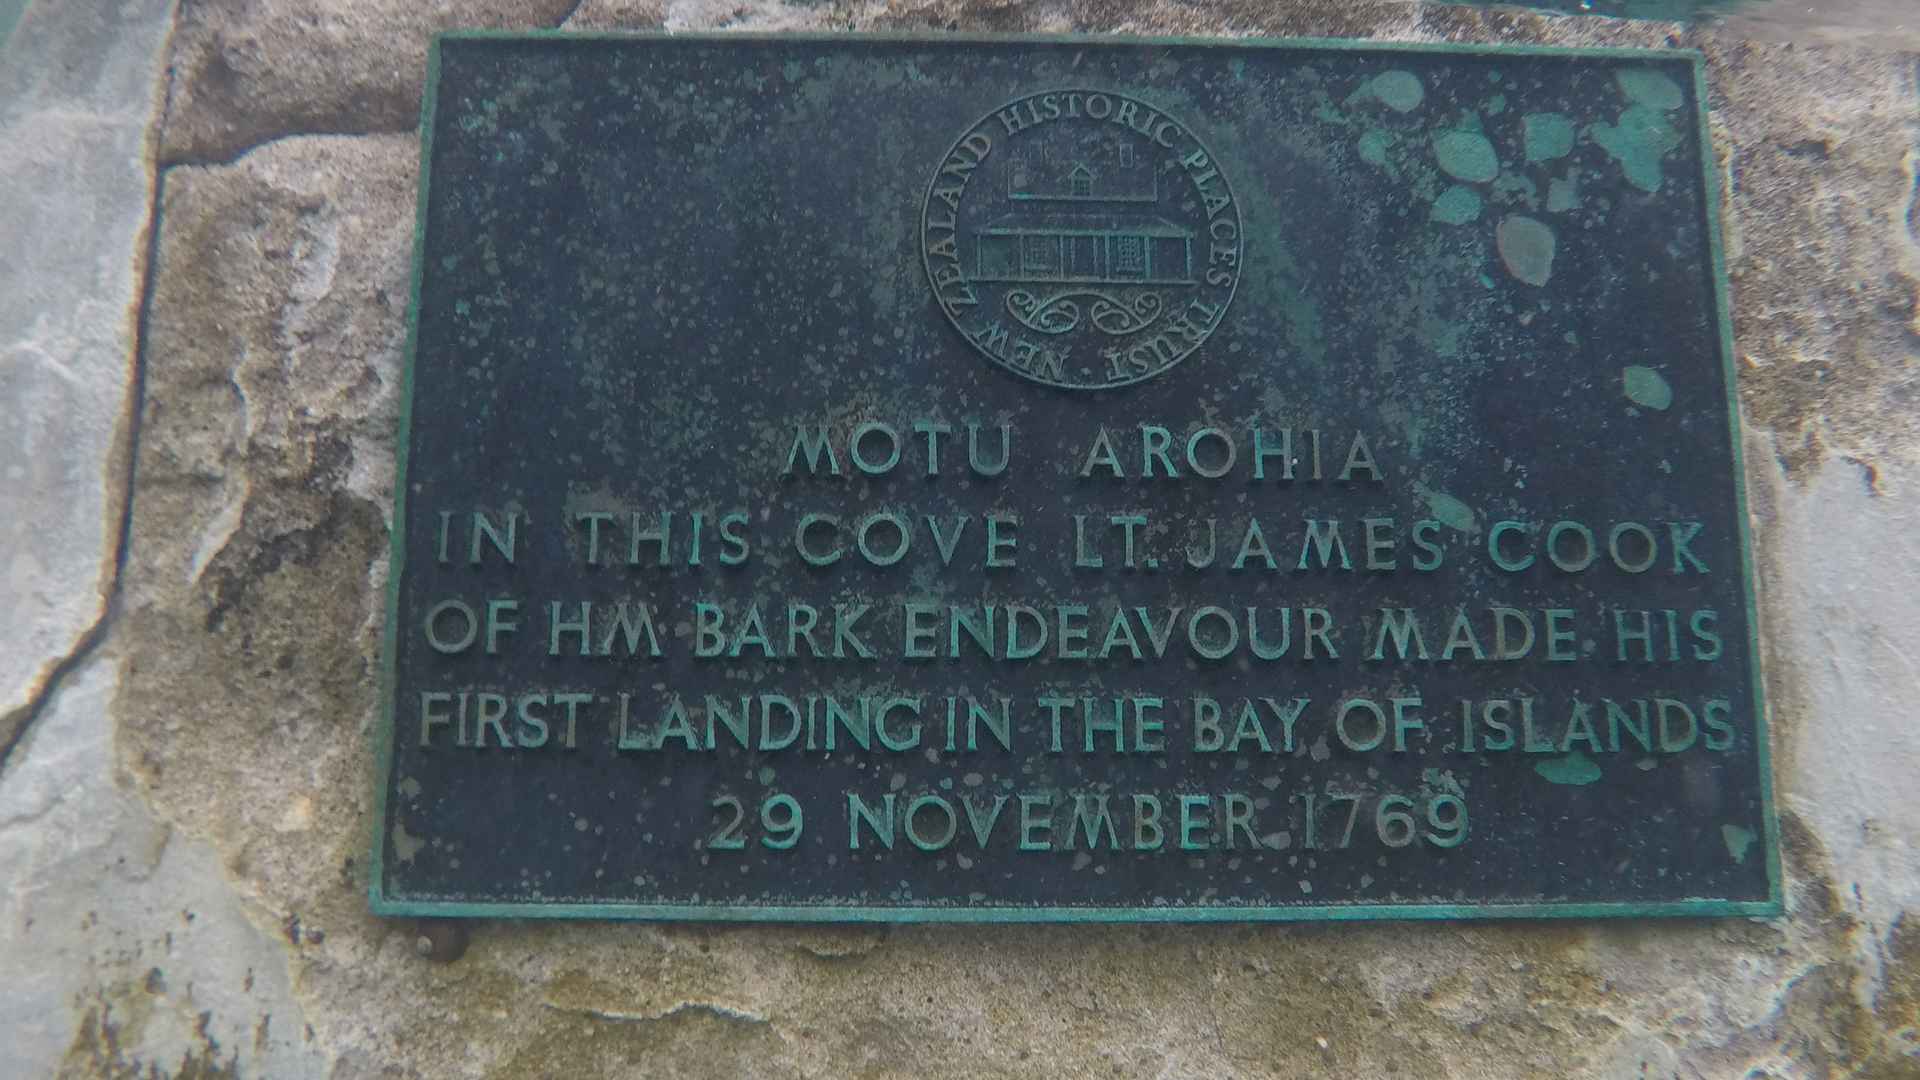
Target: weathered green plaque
(941,478)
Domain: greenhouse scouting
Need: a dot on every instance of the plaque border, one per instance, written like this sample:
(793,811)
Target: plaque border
(1713,205)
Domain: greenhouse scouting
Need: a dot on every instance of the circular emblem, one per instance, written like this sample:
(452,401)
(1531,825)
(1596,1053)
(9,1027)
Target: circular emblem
(1081,238)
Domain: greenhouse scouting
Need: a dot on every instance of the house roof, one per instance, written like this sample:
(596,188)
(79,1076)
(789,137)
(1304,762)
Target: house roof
(1067,224)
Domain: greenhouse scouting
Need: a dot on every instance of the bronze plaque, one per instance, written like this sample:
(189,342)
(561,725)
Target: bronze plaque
(939,478)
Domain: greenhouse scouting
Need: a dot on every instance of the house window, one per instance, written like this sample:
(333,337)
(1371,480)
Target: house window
(1080,182)
(1126,155)
(1039,254)
(1130,255)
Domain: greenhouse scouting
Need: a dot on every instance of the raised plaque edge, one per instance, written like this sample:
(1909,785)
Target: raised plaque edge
(1701,907)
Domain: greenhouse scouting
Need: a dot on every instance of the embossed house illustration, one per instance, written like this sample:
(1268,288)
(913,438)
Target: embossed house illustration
(1080,209)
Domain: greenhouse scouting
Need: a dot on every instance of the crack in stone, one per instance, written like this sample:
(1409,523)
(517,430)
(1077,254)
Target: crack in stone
(22,720)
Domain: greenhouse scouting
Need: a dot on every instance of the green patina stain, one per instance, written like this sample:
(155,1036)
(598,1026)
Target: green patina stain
(1526,248)
(406,845)
(1275,279)
(1563,194)
(1397,90)
(1457,206)
(1496,104)
(1466,155)
(1373,147)
(1547,136)
(1442,336)
(1637,143)
(1646,387)
(1738,840)
(1575,770)
(1450,511)
(1512,186)
(1468,121)
(1649,88)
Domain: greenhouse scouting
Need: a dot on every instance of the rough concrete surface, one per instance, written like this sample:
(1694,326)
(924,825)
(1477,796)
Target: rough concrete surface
(245,72)
(214,863)
(1886,24)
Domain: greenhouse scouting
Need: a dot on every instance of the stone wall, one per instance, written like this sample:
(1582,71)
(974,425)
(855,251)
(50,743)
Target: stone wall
(208,213)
